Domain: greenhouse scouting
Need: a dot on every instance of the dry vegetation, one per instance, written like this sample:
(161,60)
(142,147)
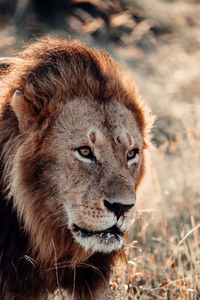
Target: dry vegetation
(159,41)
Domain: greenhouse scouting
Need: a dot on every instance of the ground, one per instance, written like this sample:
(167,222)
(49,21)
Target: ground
(159,43)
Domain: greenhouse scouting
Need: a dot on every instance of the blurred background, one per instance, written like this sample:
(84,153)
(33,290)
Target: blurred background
(159,42)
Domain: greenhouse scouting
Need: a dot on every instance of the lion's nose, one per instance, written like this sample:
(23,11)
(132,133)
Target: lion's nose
(117,208)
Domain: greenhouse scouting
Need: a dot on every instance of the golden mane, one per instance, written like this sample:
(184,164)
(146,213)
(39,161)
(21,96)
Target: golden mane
(51,71)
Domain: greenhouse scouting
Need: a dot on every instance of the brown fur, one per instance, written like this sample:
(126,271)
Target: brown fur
(37,254)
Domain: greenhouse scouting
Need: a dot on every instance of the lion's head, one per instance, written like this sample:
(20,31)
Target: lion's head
(80,136)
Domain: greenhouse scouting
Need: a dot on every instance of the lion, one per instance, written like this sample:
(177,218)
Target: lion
(74,140)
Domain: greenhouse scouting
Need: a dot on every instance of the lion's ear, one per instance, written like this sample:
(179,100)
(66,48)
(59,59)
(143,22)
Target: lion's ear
(24,110)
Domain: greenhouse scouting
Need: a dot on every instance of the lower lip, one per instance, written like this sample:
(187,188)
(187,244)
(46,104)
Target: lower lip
(112,232)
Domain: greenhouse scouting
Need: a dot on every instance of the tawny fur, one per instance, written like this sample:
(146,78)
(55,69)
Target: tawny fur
(52,86)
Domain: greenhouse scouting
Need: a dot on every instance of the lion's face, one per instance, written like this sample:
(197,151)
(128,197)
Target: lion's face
(96,154)
(80,174)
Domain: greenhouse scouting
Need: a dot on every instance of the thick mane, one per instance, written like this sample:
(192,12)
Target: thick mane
(46,75)
(91,74)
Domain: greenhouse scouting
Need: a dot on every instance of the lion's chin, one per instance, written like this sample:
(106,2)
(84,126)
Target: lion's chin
(104,241)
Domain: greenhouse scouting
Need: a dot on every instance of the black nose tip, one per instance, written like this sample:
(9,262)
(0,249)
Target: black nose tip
(117,208)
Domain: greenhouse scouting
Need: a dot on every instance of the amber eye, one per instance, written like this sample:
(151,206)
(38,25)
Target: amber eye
(86,152)
(132,154)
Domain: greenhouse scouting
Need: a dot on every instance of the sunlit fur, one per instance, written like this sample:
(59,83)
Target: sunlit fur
(54,98)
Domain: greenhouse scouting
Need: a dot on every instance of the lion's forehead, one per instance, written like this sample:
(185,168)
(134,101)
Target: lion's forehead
(81,117)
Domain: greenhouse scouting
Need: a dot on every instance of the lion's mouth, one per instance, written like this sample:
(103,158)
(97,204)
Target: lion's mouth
(111,232)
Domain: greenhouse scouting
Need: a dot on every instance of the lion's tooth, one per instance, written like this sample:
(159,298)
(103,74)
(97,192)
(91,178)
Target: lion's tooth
(120,222)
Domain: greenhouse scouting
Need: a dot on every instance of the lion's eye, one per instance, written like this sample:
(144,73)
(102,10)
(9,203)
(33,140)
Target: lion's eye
(86,153)
(132,155)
